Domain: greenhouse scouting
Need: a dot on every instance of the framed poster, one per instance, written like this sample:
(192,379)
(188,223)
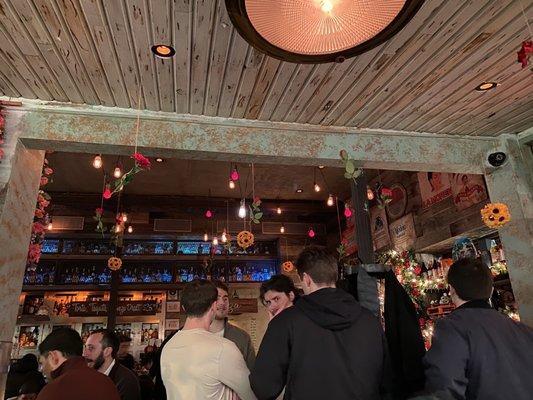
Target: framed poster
(173,306)
(172,295)
(402,233)
(172,324)
(467,190)
(28,336)
(434,187)
(379,227)
(149,331)
(396,208)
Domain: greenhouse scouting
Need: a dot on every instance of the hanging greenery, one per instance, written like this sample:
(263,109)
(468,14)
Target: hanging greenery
(255,212)
(350,170)
(141,164)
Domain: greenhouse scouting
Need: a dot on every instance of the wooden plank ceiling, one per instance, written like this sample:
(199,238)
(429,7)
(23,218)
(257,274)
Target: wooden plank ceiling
(98,51)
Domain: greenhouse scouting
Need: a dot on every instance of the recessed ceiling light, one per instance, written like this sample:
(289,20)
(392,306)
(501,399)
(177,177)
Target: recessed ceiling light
(159,159)
(299,190)
(163,51)
(320,167)
(486,86)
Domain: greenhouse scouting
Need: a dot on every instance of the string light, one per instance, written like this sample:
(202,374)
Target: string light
(282,229)
(242,209)
(278,210)
(117,173)
(317,188)
(206,238)
(231,184)
(97,162)
(330,201)
(130,229)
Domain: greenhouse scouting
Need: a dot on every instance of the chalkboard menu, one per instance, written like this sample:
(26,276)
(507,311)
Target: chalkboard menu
(125,308)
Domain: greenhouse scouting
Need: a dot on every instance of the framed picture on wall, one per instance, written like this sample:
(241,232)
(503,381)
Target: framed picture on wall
(172,295)
(172,324)
(396,208)
(173,306)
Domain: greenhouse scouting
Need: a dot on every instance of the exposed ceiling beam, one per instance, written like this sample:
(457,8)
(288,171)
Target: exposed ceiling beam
(96,129)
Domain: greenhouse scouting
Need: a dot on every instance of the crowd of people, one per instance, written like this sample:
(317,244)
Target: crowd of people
(321,345)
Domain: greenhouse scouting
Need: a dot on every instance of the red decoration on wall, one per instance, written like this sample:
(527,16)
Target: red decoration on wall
(525,51)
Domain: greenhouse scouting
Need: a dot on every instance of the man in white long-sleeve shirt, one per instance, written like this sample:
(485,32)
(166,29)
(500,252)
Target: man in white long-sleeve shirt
(198,365)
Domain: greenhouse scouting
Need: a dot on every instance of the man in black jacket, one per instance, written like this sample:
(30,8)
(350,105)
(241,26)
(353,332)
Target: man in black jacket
(324,347)
(477,352)
(100,351)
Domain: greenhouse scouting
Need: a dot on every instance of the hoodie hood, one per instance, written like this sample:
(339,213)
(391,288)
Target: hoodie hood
(330,308)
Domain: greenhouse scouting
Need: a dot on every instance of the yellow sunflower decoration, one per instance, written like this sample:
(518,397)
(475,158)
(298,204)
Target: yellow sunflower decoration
(245,239)
(287,266)
(114,263)
(495,215)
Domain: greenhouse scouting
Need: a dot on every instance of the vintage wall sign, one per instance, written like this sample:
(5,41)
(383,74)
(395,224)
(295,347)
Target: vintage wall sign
(125,308)
(240,306)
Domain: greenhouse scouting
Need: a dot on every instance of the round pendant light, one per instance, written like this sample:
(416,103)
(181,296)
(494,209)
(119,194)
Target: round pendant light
(319,31)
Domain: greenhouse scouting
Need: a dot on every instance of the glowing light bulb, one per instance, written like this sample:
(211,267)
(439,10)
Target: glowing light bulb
(282,229)
(130,229)
(330,201)
(215,241)
(208,214)
(97,162)
(242,210)
(124,218)
(224,238)
(231,184)
(369,194)
(206,238)
(347,211)
(278,210)
(311,233)
(117,229)
(326,6)
(117,173)
(50,226)
(107,192)
(317,188)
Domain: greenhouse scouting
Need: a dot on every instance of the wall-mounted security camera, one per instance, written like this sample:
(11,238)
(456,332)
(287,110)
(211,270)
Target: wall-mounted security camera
(497,159)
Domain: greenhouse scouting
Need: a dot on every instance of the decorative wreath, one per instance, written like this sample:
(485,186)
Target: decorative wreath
(495,215)
(245,239)
(287,266)
(114,263)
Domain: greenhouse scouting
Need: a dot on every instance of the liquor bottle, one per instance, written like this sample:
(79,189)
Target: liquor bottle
(75,276)
(239,275)
(51,275)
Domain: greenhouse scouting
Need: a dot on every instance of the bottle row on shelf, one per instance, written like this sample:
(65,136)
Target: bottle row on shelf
(96,275)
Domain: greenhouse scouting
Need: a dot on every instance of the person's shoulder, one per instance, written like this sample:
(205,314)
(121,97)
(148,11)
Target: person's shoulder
(52,391)
(124,372)
(236,331)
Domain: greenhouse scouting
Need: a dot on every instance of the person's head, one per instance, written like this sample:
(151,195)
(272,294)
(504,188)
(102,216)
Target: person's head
(57,347)
(317,268)
(125,345)
(28,363)
(222,309)
(434,179)
(102,345)
(199,299)
(277,294)
(469,280)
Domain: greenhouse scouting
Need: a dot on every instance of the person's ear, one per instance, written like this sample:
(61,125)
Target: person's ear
(291,296)
(306,279)
(55,357)
(108,351)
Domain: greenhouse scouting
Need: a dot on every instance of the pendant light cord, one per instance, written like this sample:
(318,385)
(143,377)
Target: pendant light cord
(338,218)
(138,118)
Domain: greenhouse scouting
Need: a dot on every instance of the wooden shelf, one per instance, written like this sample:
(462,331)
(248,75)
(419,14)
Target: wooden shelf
(65,288)
(150,257)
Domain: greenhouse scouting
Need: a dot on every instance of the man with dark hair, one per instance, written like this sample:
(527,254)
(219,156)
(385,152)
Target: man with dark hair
(68,375)
(100,352)
(196,364)
(221,327)
(324,347)
(477,352)
(277,294)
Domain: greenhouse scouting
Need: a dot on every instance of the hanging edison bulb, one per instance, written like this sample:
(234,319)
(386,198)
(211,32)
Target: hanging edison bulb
(278,210)
(369,194)
(206,237)
(282,229)
(50,226)
(130,229)
(330,201)
(224,238)
(231,184)
(317,187)
(242,209)
(124,217)
(215,241)
(97,162)
(117,228)
(117,173)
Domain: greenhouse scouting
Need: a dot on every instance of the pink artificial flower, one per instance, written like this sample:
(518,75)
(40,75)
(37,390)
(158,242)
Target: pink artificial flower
(34,253)
(99,211)
(43,204)
(418,270)
(141,161)
(107,193)
(386,192)
(44,181)
(257,201)
(48,171)
(38,228)
(39,213)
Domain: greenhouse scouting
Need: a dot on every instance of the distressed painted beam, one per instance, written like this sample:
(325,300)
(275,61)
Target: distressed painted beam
(111,130)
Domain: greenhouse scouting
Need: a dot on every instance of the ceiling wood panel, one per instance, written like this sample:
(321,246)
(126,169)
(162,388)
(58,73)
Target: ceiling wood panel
(98,52)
